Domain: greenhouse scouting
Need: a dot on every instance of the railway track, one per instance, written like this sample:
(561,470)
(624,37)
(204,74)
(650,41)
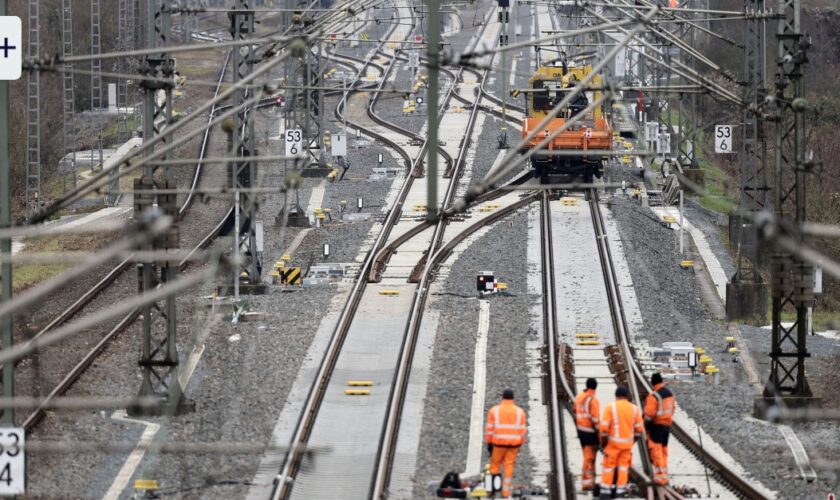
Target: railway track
(729,481)
(102,285)
(347,325)
(80,305)
(555,383)
(689,460)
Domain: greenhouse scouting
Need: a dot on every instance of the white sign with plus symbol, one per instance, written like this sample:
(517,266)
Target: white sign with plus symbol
(11,47)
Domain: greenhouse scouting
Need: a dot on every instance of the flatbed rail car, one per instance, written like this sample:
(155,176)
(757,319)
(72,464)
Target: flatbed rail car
(554,163)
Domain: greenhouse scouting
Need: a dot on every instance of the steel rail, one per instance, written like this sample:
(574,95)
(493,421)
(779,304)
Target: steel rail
(37,415)
(387,447)
(306,422)
(636,378)
(552,391)
(618,318)
(409,343)
(303,428)
(385,254)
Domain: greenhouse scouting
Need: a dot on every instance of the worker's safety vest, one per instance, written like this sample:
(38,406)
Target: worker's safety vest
(586,411)
(506,425)
(660,406)
(621,424)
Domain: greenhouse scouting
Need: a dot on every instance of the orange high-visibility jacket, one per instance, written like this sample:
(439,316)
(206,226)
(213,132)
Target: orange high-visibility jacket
(660,405)
(506,424)
(621,424)
(587,409)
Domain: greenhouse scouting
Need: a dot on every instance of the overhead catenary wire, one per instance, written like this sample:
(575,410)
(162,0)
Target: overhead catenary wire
(510,162)
(144,233)
(119,309)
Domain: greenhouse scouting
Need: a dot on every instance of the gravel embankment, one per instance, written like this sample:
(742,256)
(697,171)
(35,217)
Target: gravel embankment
(445,427)
(673,309)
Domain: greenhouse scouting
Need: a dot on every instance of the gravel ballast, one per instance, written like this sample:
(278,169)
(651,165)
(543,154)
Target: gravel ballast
(673,309)
(445,427)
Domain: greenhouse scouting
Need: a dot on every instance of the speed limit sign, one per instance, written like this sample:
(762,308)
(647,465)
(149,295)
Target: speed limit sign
(294,142)
(723,138)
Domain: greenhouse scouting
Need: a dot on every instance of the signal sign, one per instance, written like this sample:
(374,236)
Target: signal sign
(723,139)
(294,141)
(12,461)
(339,145)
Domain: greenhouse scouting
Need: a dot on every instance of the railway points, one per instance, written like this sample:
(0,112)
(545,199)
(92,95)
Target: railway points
(333,242)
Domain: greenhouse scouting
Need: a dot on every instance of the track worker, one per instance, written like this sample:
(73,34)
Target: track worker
(621,427)
(587,409)
(505,433)
(659,413)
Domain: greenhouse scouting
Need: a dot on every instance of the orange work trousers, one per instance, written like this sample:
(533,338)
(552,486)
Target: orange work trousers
(504,455)
(587,477)
(659,457)
(616,468)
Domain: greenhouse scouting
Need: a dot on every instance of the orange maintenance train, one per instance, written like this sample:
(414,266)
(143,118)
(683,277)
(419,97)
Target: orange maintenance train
(565,157)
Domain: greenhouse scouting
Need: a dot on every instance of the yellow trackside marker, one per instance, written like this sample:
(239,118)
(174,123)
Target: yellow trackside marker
(712,369)
(145,484)
(670,219)
(686,264)
(501,286)
(357,392)
(478,493)
(420,208)
(389,292)
(569,202)
(705,359)
(360,383)
(279,265)
(286,257)
(291,276)
(587,342)
(733,350)
(587,335)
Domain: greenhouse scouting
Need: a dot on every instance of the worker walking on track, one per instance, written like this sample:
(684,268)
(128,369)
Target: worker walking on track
(621,427)
(505,433)
(587,409)
(659,413)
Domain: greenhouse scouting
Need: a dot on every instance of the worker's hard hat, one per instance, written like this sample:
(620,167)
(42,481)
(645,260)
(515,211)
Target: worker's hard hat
(507,394)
